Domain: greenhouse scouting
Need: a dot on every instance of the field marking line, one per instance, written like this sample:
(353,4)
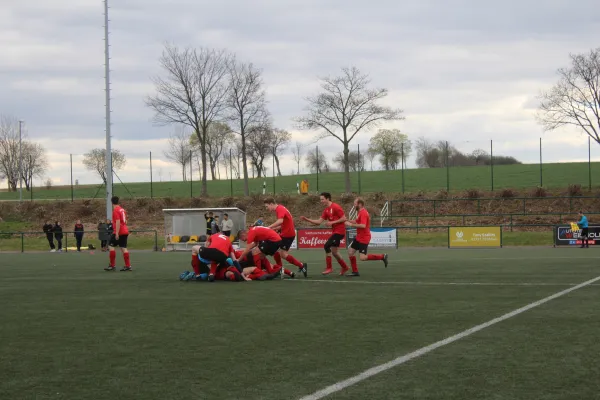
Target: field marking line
(424,283)
(336,387)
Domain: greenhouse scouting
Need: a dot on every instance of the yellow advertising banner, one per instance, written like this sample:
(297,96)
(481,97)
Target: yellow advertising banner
(467,236)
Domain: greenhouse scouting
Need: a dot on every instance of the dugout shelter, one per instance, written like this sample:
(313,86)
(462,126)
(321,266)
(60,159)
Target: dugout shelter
(186,227)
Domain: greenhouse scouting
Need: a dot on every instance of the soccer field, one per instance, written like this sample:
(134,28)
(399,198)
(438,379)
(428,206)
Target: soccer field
(70,330)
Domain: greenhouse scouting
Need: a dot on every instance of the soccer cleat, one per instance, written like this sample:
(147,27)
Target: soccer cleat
(126,269)
(385,260)
(183,275)
(109,268)
(304,269)
(343,271)
(353,274)
(293,275)
(211,278)
(327,271)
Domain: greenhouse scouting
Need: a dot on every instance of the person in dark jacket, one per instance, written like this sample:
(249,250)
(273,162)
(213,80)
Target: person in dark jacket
(102,235)
(49,235)
(78,233)
(58,235)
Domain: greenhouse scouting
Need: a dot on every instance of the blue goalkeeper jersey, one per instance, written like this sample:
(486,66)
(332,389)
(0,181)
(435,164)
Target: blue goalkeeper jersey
(583,222)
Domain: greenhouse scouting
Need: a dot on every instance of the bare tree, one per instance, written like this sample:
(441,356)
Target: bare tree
(179,150)
(316,162)
(428,155)
(389,144)
(370,156)
(193,93)
(480,156)
(247,105)
(281,138)
(259,147)
(575,99)
(219,136)
(297,155)
(35,162)
(9,150)
(346,106)
(353,160)
(95,161)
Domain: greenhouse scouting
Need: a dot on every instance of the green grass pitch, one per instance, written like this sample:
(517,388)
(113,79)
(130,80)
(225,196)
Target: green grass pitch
(69,330)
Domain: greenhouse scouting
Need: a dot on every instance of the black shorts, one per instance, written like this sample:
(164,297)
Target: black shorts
(360,247)
(214,255)
(334,240)
(122,242)
(286,243)
(269,248)
(584,232)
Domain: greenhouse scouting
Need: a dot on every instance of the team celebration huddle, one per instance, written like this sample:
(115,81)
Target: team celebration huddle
(218,260)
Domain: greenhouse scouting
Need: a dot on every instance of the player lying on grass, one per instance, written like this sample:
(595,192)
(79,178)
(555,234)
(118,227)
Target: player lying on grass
(335,217)
(253,265)
(266,240)
(362,239)
(217,249)
(284,223)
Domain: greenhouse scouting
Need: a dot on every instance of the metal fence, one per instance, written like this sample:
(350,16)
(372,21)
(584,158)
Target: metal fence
(37,241)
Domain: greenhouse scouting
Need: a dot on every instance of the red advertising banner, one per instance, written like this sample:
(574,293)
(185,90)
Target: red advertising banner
(314,238)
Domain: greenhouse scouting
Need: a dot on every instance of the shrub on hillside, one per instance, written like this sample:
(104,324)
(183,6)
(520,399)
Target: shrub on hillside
(473,194)
(539,192)
(228,202)
(442,194)
(507,193)
(168,202)
(141,202)
(575,190)
(198,202)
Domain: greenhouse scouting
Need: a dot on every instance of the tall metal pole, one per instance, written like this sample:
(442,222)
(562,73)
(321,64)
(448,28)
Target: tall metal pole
(589,163)
(447,169)
(109,162)
(317,168)
(359,189)
(402,161)
(71,158)
(273,171)
(230,174)
(191,178)
(151,191)
(492,161)
(20,162)
(30,178)
(541,176)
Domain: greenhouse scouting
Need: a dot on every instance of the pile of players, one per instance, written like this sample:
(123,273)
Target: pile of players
(218,260)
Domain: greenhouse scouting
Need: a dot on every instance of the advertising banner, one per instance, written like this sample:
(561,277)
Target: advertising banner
(564,235)
(380,237)
(468,236)
(314,238)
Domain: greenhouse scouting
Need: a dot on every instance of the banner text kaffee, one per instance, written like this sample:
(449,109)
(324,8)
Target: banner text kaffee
(314,238)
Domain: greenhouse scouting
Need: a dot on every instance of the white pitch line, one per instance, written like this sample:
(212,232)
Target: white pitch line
(423,283)
(336,387)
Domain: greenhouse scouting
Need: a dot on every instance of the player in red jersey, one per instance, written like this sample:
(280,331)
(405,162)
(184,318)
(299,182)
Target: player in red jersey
(362,239)
(285,222)
(335,217)
(119,237)
(266,240)
(217,249)
(254,270)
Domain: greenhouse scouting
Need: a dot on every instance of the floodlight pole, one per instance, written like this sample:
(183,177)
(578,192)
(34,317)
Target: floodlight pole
(20,162)
(109,172)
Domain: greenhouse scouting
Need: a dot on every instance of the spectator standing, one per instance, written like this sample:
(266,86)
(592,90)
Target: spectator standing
(226,225)
(58,235)
(209,220)
(49,235)
(101,232)
(214,226)
(78,233)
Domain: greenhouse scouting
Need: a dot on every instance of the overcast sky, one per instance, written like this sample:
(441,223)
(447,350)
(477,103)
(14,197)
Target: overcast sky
(462,70)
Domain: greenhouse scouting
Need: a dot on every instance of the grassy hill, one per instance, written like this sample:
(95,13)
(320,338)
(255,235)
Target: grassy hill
(415,180)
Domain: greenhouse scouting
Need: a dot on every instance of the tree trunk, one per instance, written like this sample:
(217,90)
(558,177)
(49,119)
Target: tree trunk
(204,187)
(277,164)
(246,189)
(212,167)
(347,168)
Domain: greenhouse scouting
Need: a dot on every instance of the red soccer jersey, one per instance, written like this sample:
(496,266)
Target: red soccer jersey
(287,228)
(333,213)
(120,215)
(263,234)
(363,235)
(222,243)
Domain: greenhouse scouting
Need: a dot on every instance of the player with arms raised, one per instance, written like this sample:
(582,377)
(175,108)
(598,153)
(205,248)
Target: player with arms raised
(362,239)
(119,237)
(285,222)
(335,217)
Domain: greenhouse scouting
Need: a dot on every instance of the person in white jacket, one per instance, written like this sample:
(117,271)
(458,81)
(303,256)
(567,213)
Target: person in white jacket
(226,225)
